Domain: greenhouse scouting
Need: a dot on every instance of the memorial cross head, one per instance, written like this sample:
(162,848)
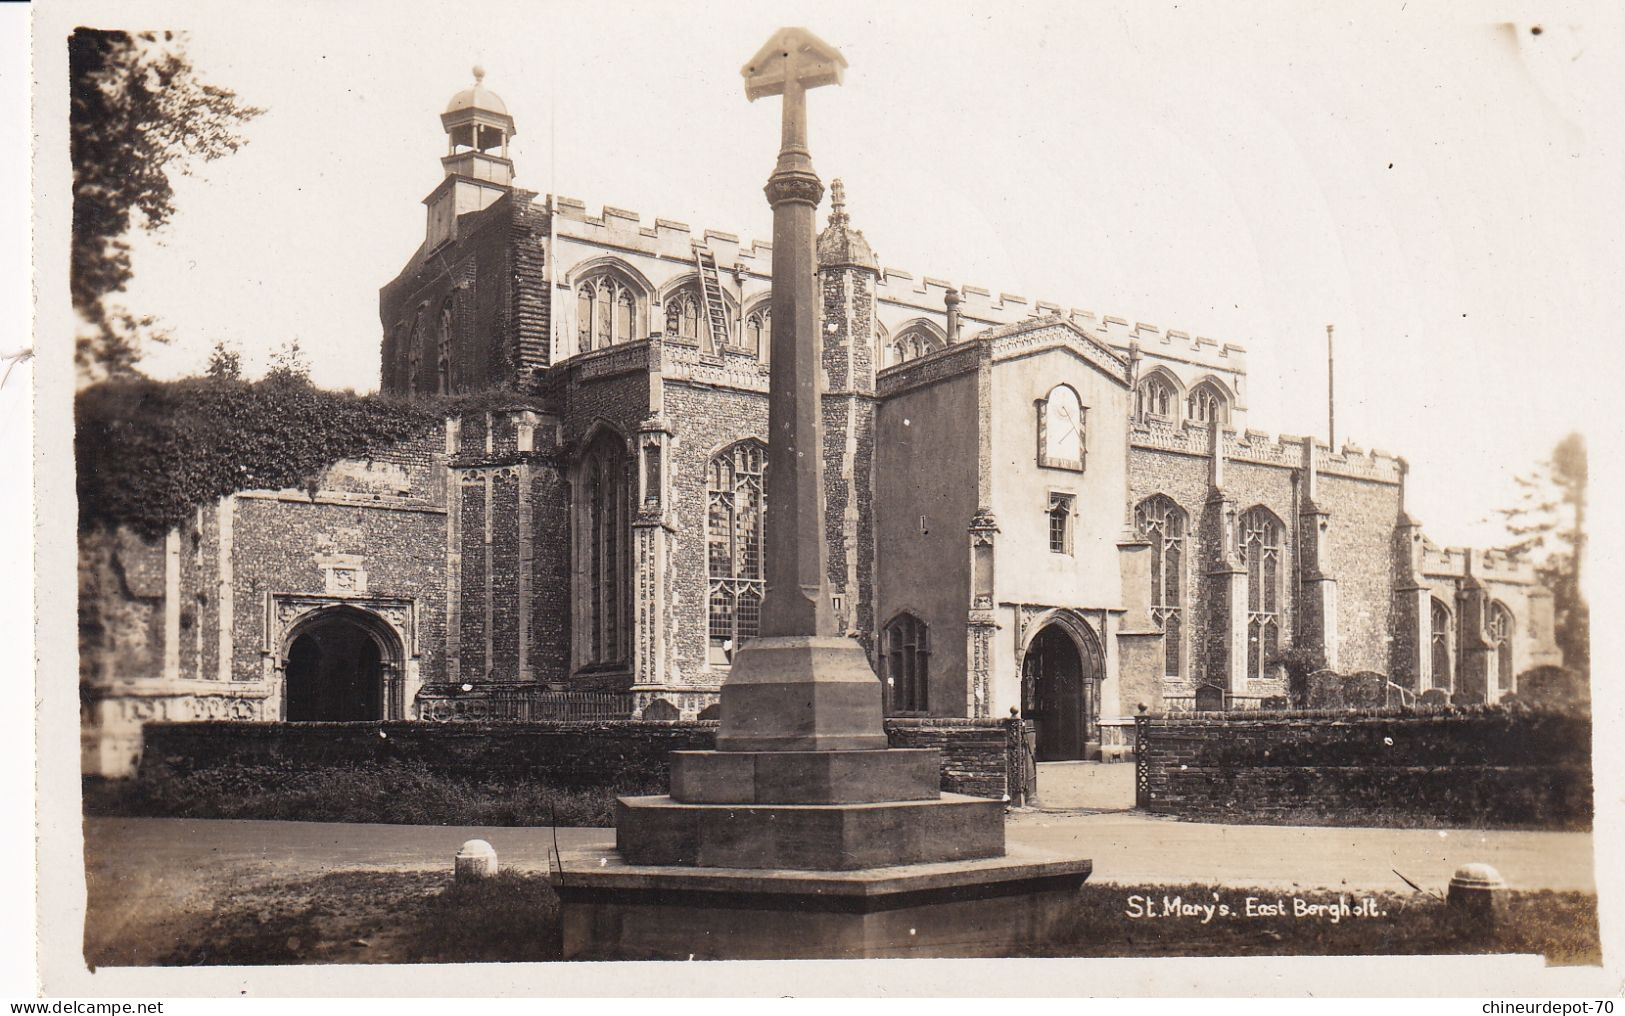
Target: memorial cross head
(793,60)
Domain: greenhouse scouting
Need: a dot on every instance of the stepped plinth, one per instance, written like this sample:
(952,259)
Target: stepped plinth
(808,852)
(803,835)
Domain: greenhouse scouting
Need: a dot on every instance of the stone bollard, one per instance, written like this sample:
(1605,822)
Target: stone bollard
(1478,898)
(476,860)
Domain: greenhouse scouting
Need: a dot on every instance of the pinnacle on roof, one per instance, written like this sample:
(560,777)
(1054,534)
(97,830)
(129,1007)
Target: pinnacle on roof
(839,244)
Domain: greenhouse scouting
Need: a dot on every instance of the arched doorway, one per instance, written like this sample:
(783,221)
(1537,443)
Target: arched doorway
(342,664)
(1060,682)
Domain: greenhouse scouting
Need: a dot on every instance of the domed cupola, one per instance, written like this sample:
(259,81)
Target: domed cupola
(478,170)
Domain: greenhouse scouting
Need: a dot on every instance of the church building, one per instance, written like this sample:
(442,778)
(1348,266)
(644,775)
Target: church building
(1028,507)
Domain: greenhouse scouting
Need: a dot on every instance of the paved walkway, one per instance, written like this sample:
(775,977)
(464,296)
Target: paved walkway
(147,878)
(1094,786)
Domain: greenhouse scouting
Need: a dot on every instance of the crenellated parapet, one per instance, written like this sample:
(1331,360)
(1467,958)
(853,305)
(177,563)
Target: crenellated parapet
(1261,448)
(668,239)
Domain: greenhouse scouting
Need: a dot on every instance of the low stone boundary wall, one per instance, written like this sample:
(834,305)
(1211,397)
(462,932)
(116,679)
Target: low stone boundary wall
(1478,769)
(979,757)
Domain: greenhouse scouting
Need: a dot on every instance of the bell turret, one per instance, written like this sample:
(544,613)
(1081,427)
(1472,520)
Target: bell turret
(478,170)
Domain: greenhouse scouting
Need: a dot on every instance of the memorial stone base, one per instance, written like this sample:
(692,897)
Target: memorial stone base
(998,906)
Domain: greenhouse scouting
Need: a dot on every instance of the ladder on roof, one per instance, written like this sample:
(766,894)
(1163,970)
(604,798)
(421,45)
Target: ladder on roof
(713,307)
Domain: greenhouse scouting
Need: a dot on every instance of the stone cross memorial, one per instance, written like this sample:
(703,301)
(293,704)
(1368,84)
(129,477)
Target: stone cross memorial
(802,834)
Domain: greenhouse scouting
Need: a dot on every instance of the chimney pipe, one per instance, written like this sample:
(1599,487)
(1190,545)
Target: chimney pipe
(951,298)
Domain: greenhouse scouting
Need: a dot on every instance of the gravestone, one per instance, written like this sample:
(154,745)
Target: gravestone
(1365,690)
(1325,690)
(1554,688)
(1434,698)
(1209,699)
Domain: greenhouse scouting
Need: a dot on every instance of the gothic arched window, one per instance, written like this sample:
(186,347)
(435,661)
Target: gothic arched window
(735,512)
(759,331)
(1061,434)
(606,311)
(1258,539)
(911,344)
(1206,404)
(1498,630)
(686,318)
(414,356)
(905,653)
(1164,524)
(1155,399)
(443,351)
(1443,673)
(605,593)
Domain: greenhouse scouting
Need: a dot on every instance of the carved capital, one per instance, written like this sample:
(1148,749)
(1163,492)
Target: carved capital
(793,187)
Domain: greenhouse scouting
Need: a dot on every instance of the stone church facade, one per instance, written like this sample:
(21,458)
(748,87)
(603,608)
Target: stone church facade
(1028,507)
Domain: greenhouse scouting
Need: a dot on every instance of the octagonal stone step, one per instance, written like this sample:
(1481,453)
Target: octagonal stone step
(816,837)
(805,777)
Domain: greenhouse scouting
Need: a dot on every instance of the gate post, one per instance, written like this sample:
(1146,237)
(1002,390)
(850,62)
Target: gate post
(1142,778)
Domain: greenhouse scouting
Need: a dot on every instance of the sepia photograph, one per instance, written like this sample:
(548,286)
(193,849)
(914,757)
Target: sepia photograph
(562,483)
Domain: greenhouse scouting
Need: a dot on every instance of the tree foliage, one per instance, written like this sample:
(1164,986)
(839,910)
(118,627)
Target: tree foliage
(150,452)
(137,114)
(1547,526)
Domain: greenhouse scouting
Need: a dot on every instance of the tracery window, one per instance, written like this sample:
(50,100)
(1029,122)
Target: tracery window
(1061,432)
(443,352)
(910,344)
(1164,524)
(606,593)
(1498,630)
(683,314)
(1443,674)
(905,652)
(1206,404)
(1258,538)
(759,331)
(735,511)
(606,311)
(1155,399)
(686,317)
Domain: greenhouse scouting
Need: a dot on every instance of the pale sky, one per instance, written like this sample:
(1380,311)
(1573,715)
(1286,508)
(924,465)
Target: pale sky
(1432,184)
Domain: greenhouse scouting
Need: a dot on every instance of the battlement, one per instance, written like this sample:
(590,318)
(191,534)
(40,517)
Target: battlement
(979,308)
(664,238)
(1491,564)
(980,305)
(1260,447)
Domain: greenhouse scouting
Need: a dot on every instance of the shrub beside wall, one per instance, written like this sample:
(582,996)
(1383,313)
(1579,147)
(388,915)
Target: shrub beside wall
(467,773)
(1488,768)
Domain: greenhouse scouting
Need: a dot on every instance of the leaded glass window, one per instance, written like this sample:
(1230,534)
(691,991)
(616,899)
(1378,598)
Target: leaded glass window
(1498,629)
(414,356)
(1258,535)
(606,312)
(443,350)
(759,331)
(1206,404)
(905,652)
(735,515)
(1440,644)
(1164,524)
(1060,523)
(1155,399)
(604,506)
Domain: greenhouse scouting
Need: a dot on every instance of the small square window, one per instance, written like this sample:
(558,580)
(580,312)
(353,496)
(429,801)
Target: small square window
(1060,523)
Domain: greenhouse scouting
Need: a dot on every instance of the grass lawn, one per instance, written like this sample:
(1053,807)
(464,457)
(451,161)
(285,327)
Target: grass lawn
(424,917)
